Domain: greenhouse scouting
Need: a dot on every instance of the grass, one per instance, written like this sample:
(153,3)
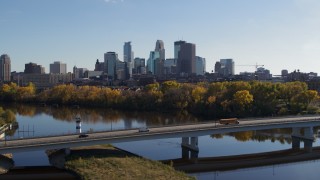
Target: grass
(110,163)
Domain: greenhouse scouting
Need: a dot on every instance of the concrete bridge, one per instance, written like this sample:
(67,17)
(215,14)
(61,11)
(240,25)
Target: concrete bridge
(224,163)
(188,133)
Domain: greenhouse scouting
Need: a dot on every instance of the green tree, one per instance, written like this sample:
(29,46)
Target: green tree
(165,86)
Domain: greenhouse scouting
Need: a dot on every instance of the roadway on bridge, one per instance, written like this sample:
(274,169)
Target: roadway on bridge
(65,141)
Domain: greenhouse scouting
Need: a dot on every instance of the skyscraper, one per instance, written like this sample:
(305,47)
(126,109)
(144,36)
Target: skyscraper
(160,48)
(128,57)
(33,68)
(186,63)
(139,65)
(5,68)
(154,55)
(177,45)
(127,52)
(58,68)
(200,65)
(110,62)
(227,67)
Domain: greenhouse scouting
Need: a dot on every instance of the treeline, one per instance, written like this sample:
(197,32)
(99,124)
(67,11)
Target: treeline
(6,117)
(213,100)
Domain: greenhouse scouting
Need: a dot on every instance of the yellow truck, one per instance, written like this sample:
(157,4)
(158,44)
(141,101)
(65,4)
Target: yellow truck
(229,121)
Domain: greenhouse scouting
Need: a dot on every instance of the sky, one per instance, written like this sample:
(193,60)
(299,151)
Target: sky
(277,34)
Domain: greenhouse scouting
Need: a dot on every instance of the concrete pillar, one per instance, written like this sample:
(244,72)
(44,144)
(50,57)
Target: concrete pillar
(308,133)
(185,140)
(194,141)
(308,145)
(194,154)
(184,150)
(296,132)
(194,144)
(185,153)
(295,142)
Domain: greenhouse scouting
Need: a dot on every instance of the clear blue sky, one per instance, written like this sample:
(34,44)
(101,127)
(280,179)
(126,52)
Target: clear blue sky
(280,34)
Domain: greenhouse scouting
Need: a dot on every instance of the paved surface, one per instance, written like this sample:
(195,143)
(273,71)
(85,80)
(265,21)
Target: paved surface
(65,141)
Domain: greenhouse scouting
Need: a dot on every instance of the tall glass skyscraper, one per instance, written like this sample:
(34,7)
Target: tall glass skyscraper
(127,52)
(128,57)
(110,62)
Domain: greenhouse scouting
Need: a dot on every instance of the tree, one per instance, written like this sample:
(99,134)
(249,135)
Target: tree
(242,101)
(165,86)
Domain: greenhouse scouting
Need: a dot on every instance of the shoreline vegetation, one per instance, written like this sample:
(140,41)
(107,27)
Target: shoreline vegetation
(210,100)
(107,162)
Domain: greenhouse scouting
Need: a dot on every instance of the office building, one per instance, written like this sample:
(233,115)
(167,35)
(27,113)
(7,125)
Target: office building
(160,48)
(79,72)
(58,68)
(200,65)
(170,66)
(139,66)
(5,68)
(127,52)
(99,66)
(33,68)
(128,57)
(186,64)
(46,80)
(154,55)
(177,45)
(225,67)
(110,62)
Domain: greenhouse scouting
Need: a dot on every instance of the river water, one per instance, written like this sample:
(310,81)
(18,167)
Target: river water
(37,121)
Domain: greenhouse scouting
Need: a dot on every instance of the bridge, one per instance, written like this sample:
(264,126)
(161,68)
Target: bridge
(189,134)
(224,163)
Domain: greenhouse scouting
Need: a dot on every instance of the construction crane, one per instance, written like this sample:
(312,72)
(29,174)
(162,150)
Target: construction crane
(255,65)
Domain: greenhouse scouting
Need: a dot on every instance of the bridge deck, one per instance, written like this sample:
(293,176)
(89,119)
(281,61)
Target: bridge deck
(191,130)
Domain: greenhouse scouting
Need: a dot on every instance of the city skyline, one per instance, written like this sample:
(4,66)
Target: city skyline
(279,35)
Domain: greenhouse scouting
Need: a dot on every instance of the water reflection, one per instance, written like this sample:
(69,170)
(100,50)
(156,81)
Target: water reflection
(50,120)
(281,135)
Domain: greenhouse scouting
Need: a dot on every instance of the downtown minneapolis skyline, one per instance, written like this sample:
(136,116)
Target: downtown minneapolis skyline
(277,34)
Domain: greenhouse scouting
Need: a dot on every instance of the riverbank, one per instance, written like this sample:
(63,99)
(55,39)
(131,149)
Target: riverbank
(96,162)
(107,162)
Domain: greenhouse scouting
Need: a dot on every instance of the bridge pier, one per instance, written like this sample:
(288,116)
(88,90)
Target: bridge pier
(307,138)
(295,142)
(189,147)
(67,151)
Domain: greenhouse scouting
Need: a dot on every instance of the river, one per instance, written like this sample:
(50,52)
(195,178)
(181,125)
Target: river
(37,121)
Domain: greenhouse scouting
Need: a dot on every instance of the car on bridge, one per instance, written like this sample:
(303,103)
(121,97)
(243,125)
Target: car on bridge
(143,129)
(83,135)
(229,121)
